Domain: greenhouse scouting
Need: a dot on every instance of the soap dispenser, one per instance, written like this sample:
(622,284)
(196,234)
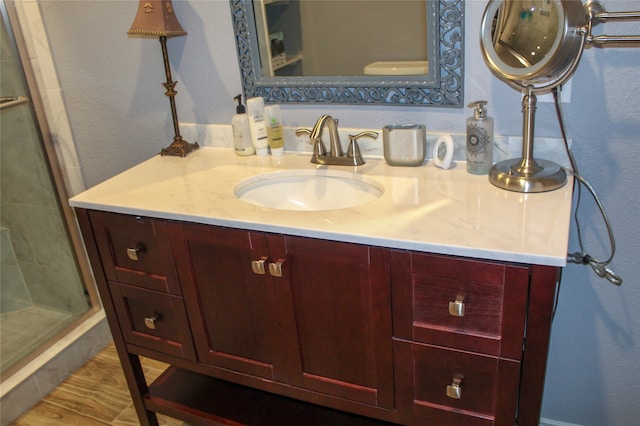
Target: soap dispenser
(479,140)
(241,131)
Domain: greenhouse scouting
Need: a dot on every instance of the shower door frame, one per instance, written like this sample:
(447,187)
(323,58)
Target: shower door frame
(61,193)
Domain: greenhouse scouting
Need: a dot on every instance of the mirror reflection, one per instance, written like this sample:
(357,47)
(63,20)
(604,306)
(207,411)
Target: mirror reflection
(342,38)
(524,32)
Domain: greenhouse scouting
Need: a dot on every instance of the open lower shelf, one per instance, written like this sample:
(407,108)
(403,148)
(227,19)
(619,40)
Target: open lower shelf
(206,400)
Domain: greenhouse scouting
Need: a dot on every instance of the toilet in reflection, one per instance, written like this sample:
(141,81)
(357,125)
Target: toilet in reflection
(397,68)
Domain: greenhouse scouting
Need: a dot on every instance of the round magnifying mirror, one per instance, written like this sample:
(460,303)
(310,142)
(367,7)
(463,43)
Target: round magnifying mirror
(534,46)
(532,42)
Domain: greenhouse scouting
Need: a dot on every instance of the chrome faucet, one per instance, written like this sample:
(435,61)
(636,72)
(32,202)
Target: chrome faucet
(353,157)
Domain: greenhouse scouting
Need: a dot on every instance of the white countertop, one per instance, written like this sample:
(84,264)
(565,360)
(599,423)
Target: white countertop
(422,208)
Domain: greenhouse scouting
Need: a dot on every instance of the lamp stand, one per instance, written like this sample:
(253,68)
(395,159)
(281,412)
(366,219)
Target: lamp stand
(178,147)
(527,174)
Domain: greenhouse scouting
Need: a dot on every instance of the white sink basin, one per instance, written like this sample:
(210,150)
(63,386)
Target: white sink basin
(308,190)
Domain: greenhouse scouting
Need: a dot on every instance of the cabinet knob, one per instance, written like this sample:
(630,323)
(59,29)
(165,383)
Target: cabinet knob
(275,268)
(456,308)
(134,253)
(150,322)
(454,390)
(258,266)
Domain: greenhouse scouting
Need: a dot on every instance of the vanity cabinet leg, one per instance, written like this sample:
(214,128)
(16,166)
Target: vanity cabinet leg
(133,372)
(542,294)
(130,363)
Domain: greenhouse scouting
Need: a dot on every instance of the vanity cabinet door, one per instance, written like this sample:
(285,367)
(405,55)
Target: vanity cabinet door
(459,329)
(231,309)
(446,387)
(135,250)
(153,320)
(340,298)
(460,303)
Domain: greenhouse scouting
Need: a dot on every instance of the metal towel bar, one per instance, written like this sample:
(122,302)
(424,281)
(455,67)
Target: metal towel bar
(12,101)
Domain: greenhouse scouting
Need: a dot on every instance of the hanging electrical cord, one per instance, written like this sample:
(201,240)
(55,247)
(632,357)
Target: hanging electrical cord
(599,267)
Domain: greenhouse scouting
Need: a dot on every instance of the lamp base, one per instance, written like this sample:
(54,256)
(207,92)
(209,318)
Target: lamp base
(510,175)
(179,147)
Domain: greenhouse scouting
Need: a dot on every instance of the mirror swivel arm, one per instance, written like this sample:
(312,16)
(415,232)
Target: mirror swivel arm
(598,14)
(604,40)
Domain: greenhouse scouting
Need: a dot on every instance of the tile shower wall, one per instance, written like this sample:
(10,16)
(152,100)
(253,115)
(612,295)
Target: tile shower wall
(30,214)
(15,295)
(29,211)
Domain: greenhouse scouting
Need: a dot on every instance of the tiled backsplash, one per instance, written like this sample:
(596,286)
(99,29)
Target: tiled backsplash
(220,135)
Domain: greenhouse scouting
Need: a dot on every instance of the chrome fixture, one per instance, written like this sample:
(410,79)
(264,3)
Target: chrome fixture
(156,18)
(535,47)
(8,102)
(353,157)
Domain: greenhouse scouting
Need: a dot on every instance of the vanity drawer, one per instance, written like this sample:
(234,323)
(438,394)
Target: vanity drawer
(154,320)
(460,303)
(440,386)
(135,250)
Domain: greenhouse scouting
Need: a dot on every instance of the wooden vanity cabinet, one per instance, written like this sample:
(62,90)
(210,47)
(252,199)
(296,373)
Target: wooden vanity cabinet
(310,313)
(232,311)
(458,338)
(268,326)
(142,283)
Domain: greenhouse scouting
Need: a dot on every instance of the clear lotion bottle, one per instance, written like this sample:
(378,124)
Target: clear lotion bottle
(479,140)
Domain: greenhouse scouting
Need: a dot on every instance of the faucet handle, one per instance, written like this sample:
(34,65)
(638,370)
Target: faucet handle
(354,150)
(318,146)
(366,134)
(303,131)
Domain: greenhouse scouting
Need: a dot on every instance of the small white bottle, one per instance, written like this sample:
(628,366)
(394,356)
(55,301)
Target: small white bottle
(479,140)
(273,117)
(257,124)
(241,131)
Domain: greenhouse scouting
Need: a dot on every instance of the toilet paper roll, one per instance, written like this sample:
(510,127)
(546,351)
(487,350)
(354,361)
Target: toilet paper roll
(443,152)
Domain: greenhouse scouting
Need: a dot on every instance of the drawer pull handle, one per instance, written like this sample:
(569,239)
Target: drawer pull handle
(134,253)
(454,390)
(275,269)
(150,322)
(258,266)
(456,308)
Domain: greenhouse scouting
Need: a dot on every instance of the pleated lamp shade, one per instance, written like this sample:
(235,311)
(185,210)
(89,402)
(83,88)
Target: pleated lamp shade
(156,18)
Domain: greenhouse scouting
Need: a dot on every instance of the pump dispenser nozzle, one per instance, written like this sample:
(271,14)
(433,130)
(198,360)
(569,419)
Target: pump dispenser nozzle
(480,111)
(240,109)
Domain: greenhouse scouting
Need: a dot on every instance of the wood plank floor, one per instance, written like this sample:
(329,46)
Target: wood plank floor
(95,395)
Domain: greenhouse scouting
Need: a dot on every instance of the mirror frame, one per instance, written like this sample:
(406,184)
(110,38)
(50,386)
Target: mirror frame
(442,87)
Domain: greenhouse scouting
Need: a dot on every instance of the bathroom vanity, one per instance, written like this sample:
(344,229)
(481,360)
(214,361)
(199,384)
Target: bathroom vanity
(410,309)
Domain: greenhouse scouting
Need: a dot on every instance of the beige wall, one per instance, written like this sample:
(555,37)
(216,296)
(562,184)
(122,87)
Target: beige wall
(338,40)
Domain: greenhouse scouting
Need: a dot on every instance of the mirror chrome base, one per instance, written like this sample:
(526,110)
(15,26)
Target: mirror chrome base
(510,175)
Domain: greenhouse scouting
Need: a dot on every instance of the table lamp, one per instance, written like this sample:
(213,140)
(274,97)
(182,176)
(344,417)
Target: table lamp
(156,18)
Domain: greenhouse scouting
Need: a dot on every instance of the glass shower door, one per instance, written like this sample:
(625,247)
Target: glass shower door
(42,290)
